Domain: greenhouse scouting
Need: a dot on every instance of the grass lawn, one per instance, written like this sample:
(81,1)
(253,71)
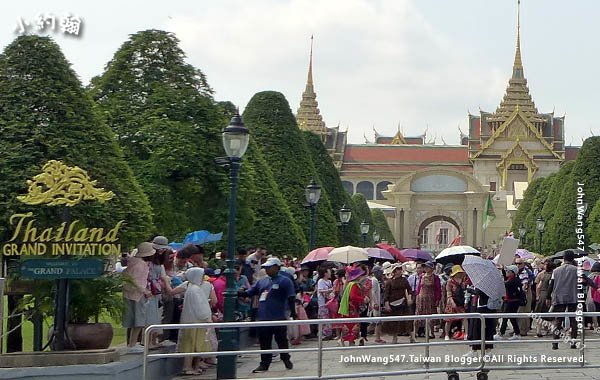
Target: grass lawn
(27,331)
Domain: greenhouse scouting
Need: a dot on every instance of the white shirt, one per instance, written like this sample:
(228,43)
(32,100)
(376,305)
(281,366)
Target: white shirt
(323,284)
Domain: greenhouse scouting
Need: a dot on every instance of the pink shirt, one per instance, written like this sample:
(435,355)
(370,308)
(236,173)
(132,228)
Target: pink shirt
(220,284)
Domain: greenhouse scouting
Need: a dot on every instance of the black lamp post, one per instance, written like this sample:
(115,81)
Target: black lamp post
(540,224)
(235,141)
(345,214)
(522,232)
(375,237)
(364,230)
(312,194)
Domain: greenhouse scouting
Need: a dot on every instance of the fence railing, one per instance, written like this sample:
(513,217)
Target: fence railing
(482,365)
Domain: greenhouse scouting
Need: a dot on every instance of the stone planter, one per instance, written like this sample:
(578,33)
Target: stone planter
(89,336)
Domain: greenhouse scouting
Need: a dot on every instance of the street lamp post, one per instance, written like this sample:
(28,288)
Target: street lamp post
(364,230)
(345,214)
(540,224)
(522,232)
(235,141)
(375,237)
(312,194)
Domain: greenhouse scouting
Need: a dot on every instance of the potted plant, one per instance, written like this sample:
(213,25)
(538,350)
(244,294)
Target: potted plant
(88,300)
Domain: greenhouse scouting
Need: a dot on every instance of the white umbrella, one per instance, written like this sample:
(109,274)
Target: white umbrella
(455,254)
(484,276)
(348,254)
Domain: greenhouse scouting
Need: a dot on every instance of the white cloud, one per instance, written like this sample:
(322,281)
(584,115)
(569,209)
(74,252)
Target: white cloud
(376,62)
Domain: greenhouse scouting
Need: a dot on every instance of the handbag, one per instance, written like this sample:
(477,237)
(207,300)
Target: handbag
(409,299)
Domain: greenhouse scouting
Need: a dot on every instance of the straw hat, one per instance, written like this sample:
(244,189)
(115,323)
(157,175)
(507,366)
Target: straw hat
(512,268)
(389,270)
(456,269)
(145,249)
(409,266)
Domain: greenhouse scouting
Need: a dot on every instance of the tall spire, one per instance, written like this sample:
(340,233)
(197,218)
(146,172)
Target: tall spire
(517,95)
(518,65)
(309,117)
(310,76)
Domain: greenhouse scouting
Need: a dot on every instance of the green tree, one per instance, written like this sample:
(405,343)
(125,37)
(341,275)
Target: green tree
(532,238)
(594,224)
(382,227)
(553,198)
(560,230)
(526,203)
(271,223)
(586,175)
(45,114)
(362,213)
(273,127)
(162,111)
(330,182)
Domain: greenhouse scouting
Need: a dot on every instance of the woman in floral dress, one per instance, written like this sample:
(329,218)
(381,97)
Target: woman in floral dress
(455,299)
(429,294)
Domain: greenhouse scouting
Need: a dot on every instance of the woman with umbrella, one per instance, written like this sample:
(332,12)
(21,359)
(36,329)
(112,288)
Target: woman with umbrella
(455,299)
(514,296)
(396,296)
(351,303)
(429,294)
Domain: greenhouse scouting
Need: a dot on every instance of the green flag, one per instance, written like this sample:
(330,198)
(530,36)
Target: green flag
(489,215)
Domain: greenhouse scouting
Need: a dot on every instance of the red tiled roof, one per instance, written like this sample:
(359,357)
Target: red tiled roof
(406,153)
(571,152)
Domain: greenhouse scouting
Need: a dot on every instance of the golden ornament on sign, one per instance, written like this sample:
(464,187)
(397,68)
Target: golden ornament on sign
(59,184)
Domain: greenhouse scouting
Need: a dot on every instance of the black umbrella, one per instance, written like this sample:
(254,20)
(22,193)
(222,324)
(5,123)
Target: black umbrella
(559,255)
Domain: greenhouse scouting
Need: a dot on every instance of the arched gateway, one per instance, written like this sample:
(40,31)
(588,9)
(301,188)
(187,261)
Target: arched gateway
(437,195)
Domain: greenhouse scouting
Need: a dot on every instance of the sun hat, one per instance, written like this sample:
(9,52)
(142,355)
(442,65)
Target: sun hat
(160,242)
(391,268)
(145,249)
(409,266)
(512,268)
(272,261)
(355,273)
(456,269)
(429,264)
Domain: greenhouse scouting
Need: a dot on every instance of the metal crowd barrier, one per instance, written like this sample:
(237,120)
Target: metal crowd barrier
(481,369)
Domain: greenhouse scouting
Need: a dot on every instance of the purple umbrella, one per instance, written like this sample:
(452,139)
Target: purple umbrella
(417,254)
(380,254)
(524,254)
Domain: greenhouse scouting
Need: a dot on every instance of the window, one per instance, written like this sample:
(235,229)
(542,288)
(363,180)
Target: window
(443,236)
(492,186)
(367,189)
(425,236)
(382,186)
(348,186)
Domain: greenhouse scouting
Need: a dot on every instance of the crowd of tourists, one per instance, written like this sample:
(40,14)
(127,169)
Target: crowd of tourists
(188,286)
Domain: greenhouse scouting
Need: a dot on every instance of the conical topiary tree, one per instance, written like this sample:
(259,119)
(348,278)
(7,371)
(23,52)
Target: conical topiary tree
(362,213)
(382,227)
(553,197)
(162,111)
(272,224)
(532,238)
(45,114)
(273,127)
(525,205)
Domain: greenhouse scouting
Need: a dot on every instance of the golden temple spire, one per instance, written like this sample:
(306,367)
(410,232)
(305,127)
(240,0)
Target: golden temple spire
(518,65)
(309,117)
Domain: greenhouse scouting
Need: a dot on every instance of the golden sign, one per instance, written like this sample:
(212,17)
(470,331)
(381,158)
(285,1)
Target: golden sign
(60,184)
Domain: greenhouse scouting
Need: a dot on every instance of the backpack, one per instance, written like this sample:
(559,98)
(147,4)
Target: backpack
(494,303)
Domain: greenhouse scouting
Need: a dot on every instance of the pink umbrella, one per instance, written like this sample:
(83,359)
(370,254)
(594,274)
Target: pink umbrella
(319,254)
(394,251)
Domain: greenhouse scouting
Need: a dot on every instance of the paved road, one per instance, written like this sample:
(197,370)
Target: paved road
(515,358)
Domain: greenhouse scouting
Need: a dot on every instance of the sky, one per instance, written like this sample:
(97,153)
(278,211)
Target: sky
(416,65)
